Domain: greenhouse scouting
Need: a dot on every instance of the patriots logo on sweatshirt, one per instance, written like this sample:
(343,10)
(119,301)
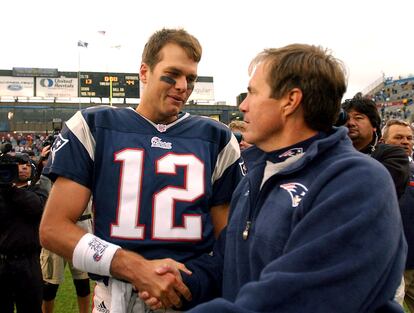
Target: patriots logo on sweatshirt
(296,191)
(291,152)
(243,168)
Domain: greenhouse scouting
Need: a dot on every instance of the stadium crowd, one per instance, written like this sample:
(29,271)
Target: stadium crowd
(31,144)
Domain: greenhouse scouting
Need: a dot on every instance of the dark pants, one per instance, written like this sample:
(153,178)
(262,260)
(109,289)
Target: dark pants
(21,283)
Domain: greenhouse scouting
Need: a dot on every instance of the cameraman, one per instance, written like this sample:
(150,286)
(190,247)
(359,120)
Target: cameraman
(21,207)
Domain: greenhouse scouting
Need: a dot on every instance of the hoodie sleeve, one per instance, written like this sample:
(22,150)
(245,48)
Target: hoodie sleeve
(205,282)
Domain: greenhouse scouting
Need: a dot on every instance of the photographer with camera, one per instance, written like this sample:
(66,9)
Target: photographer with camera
(21,207)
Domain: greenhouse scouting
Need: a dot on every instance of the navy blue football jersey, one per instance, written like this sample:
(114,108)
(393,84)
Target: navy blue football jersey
(152,185)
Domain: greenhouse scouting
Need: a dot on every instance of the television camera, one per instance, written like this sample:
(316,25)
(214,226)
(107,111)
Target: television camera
(9,165)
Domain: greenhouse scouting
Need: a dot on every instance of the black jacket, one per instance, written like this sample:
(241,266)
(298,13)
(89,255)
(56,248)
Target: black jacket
(407,214)
(395,159)
(20,213)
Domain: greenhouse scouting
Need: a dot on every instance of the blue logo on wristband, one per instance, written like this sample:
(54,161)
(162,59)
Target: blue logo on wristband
(98,247)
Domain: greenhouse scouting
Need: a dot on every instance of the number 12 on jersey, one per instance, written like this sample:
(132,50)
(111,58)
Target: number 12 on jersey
(163,205)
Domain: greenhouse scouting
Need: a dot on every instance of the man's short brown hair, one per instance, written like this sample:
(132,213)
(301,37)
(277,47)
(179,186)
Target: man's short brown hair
(151,54)
(320,77)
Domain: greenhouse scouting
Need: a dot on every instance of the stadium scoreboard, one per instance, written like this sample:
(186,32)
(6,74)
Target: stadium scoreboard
(96,84)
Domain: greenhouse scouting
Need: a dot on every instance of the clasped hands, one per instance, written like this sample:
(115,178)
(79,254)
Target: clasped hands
(164,269)
(158,282)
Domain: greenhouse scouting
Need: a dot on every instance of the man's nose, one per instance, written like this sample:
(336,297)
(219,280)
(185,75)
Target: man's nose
(243,105)
(181,83)
(350,121)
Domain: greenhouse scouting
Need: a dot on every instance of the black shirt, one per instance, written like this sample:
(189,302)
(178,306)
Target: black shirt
(20,213)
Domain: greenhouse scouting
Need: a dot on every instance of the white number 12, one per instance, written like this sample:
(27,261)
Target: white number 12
(163,205)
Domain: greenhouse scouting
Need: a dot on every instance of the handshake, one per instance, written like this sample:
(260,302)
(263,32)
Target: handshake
(158,282)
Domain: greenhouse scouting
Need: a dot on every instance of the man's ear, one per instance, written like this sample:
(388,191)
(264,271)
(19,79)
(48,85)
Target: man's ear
(293,101)
(143,72)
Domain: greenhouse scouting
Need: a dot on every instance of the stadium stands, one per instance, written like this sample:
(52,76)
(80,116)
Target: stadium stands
(394,97)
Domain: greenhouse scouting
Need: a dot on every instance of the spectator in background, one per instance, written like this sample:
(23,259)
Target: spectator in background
(249,155)
(364,125)
(364,129)
(31,154)
(398,132)
(238,127)
(21,207)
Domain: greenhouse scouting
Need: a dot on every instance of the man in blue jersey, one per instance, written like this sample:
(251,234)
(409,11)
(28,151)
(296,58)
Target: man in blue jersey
(161,181)
(314,226)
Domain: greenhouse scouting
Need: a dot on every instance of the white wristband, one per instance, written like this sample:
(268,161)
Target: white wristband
(94,255)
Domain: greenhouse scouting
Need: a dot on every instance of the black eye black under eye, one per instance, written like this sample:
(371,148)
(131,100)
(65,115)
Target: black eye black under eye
(168,80)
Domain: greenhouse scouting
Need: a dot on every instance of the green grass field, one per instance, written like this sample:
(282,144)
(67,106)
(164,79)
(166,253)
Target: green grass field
(66,297)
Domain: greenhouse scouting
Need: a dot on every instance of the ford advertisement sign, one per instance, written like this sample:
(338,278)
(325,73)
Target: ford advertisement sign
(16,86)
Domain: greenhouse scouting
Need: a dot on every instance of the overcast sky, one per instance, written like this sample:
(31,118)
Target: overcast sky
(372,38)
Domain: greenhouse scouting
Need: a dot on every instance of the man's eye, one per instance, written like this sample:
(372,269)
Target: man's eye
(172,74)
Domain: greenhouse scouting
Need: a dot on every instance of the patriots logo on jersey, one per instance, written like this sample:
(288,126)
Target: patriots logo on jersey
(158,143)
(291,152)
(296,191)
(58,144)
(161,128)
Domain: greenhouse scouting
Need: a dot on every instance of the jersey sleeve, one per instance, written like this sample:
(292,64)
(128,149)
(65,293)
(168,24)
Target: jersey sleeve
(228,172)
(72,153)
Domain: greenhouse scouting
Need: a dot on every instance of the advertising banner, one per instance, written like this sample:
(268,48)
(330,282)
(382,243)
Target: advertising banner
(203,91)
(60,87)
(16,86)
